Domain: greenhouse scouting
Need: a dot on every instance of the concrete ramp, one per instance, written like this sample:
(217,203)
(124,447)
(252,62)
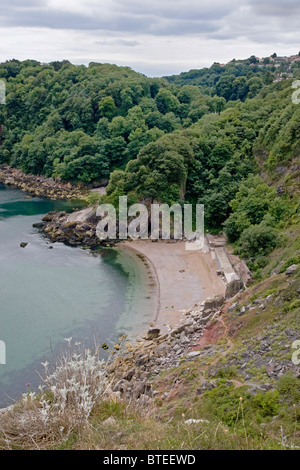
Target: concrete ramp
(224,264)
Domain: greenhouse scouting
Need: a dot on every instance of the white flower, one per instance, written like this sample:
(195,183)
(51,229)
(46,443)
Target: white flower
(68,340)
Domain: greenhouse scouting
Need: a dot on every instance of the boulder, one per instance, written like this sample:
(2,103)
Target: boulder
(142,360)
(212,304)
(109,421)
(291,270)
(138,389)
(49,217)
(151,334)
(233,288)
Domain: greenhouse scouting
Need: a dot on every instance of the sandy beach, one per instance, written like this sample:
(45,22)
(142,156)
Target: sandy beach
(184,278)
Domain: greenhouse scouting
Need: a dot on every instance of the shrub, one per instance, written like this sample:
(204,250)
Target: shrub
(287,264)
(267,403)
(288,387)
(258,240)
(68,395)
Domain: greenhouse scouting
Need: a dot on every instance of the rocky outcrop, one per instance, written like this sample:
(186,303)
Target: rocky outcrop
(291,270)
(41,186)
(76,229)
(133,371)
(233,288)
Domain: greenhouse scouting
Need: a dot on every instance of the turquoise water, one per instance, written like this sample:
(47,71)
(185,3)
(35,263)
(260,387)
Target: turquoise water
(47,295)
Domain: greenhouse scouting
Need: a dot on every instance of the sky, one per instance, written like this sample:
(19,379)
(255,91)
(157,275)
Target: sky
(154,37)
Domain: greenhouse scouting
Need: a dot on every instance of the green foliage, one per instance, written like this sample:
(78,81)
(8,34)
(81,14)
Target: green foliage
(196,138)
(288,387)
(225,403)
(267,403)
(257,240)
(294,260)
(159,172)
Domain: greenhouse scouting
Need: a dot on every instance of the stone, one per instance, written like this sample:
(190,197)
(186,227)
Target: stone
(206,386)
(38,225)
(291,270)
(128,346)
(129,374)
(142,360)
(233,307)
(205,320)
(138,389)
(193,354)
(233,288)
(212,304)
(109,421)
(49,217)
(145,400)
(120,386)
(184,339)
(178,330)
(243,310)
(23,244)
(151,334)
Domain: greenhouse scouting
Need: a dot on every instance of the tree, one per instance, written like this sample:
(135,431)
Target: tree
(107,107)
(166,102)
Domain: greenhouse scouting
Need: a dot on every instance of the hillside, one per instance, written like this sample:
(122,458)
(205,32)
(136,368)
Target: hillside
(172,139)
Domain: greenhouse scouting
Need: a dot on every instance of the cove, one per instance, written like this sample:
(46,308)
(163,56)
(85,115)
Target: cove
(47,295)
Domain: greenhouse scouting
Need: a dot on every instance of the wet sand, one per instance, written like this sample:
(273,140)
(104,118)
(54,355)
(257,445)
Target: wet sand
(184,278)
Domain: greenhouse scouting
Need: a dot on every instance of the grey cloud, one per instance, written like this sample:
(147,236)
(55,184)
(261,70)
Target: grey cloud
(121,23)
(262,22)
(275,8)
(135,17)
(170,9)
(256,20)
(20,3)
(118,42)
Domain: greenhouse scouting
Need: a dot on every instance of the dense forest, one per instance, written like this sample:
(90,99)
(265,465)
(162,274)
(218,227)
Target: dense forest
(225,136)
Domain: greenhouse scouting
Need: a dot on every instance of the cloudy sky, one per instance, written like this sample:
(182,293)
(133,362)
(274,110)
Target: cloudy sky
(154,37)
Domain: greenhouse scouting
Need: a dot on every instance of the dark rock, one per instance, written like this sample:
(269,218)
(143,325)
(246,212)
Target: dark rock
(23,244)
(291,270)
(49,217)
(142,360)
(212,304)
(120,386)
(233,288)
(138,389)
(39,225)
(151,334)
(233,307)
(129,374)
(206,386)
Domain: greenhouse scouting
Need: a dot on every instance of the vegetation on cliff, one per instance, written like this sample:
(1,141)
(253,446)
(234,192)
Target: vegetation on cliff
(227,137)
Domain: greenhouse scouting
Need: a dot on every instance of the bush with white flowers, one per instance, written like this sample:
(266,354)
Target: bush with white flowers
(76,382)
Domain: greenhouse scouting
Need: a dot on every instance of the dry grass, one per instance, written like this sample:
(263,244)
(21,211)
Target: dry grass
(70,390)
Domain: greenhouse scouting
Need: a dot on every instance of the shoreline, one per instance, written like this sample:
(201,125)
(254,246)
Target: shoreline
(153,270)
(184,278)
(41,186)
